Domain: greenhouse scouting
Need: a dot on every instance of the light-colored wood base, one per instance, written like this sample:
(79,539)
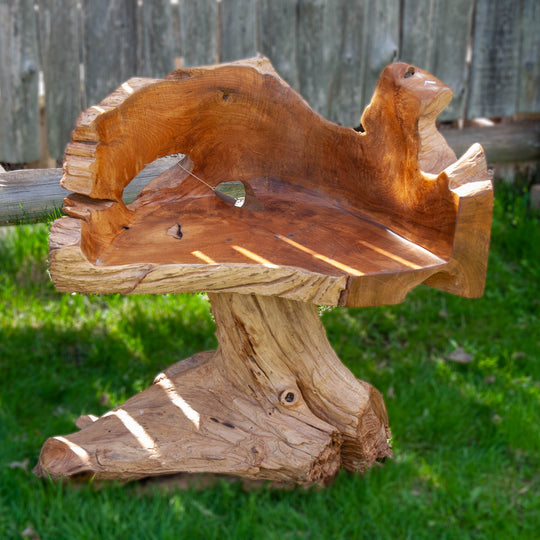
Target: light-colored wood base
(273,402)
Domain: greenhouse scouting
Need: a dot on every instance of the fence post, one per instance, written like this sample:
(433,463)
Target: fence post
(495,59)
(59,43)
(529,74)
(19,76)
(238,29)
(110,45)
(277,37)
(316,48)
(157,43)
(199,32)
(347,99)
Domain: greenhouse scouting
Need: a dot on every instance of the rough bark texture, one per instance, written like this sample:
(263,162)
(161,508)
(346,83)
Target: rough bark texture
(331,216)
(274,402)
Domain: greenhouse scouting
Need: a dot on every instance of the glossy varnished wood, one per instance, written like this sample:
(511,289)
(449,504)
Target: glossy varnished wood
(375,213)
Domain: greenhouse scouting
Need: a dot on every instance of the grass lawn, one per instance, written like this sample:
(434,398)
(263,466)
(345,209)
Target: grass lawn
(466,435)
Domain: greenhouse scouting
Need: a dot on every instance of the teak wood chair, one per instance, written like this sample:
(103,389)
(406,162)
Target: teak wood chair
(270,210)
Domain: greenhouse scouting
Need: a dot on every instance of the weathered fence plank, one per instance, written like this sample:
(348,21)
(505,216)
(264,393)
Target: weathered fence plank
(199,24)
(529,73)
(331,51)
(110,44)
(454,22)
(316,46)
(347,100)
(19,75)
(156,57)
(60,64)
(238,29)
(413,33)
(495,59)
(277,36)
(435,36)
(382,45)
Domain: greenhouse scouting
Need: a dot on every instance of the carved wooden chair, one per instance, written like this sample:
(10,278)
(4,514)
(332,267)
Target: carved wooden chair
(271,210)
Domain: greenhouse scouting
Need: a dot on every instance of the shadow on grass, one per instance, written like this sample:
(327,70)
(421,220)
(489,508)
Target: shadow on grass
(453,473)
(53,374)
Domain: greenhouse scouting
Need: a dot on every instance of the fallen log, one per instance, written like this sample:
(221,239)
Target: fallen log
(33,194)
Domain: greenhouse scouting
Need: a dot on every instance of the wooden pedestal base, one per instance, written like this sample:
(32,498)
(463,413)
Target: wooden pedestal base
(273,402)
(331,216)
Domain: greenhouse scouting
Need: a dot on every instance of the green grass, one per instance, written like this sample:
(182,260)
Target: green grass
(466,436)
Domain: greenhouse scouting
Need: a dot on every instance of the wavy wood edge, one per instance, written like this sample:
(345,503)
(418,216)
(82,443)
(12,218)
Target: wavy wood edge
(89,167)
(424,193)
(465,273)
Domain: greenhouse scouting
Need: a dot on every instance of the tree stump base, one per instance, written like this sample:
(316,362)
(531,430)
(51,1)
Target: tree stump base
(328,216)
(273,402)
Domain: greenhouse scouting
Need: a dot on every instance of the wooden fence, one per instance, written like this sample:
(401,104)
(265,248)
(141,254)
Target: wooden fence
(331,51)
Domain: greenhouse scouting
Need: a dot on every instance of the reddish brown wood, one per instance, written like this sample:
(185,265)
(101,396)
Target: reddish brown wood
(332,217)
(369,216)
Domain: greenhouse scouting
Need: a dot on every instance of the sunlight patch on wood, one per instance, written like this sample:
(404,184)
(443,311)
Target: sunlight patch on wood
(176,399)
(392,256)
(134,428)
(254,257)
(324,258)
(75,448)
(203,257)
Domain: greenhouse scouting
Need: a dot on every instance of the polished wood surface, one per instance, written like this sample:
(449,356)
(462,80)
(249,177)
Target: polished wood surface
(351,218)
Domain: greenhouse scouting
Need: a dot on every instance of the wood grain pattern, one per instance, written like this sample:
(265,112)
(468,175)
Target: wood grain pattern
(495,59)
(349,62)
(19,73)
(156,56)
(110,35)
(199,23)
(529,73)
(277,22)
(33,193)
(316,36)
(238,26)
(60,65)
